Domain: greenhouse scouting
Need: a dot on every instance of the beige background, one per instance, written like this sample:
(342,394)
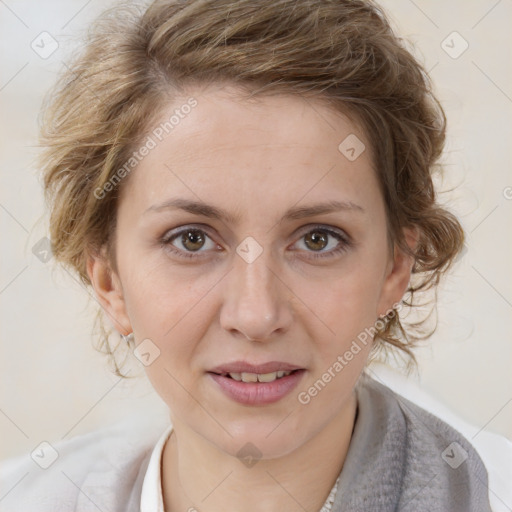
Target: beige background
(54,385)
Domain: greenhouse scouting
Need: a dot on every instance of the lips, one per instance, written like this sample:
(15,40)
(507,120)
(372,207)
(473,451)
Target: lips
(260,384)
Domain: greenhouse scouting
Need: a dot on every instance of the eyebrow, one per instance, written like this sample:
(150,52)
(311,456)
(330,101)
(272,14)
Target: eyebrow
(294,213)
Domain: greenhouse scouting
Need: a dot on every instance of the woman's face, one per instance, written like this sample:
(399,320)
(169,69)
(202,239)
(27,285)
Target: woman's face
(222,260)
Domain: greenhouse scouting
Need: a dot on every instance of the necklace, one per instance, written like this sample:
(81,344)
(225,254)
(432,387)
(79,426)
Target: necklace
(327,506)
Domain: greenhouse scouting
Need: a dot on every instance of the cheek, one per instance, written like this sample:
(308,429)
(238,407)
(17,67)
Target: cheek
(347,302)
(347,309)
(157,295)
(169,306)
(165,307)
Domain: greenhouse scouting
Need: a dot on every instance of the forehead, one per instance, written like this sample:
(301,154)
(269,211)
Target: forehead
(223,119)
(282,147)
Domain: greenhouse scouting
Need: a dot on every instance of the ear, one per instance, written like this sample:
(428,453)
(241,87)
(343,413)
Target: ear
(109,292)
(398,273)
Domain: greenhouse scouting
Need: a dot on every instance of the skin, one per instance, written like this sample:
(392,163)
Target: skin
(255,160)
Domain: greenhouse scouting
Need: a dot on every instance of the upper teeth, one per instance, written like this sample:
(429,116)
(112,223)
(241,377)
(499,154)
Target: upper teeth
(259,377)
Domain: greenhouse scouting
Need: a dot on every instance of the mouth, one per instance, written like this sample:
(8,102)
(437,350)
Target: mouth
(256,384)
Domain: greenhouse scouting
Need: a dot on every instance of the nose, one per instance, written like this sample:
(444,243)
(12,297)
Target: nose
(256,302)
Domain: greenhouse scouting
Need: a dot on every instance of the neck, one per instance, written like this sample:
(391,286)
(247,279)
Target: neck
(197,476)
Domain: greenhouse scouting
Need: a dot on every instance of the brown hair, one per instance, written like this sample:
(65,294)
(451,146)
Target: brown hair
(341,52)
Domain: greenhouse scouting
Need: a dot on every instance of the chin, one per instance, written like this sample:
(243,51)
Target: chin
(259,439)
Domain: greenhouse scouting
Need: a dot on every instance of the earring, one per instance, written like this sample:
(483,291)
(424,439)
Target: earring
(129,338)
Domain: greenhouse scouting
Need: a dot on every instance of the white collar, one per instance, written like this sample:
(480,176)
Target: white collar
(151,499)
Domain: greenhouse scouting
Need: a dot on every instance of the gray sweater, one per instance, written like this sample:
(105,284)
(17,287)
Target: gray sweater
(401,459)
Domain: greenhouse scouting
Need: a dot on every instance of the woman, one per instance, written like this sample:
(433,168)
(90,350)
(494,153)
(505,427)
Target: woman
(247,188)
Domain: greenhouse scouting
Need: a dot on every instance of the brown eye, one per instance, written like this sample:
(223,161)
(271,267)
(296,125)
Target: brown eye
(186,242)
(325,242)
(192,239)
(316,240)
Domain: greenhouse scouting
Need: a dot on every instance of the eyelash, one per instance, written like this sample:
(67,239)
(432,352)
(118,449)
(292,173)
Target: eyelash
(346,243)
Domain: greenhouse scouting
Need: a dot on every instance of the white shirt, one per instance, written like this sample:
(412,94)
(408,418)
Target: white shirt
(151,499)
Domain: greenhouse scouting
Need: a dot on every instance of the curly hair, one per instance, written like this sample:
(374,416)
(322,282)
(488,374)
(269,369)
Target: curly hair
(341,52)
